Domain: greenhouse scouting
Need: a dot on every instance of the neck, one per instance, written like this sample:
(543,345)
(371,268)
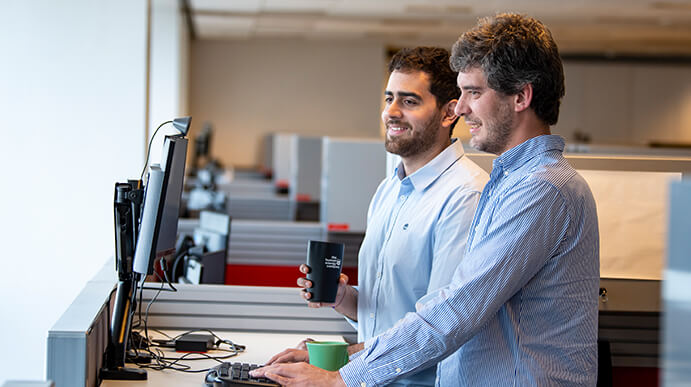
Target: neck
(528,126)
(412,163)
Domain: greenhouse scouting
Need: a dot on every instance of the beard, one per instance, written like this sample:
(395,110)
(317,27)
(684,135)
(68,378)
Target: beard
(496,130)
(421,140)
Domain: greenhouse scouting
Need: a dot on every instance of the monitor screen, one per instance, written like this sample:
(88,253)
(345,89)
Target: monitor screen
(159,219)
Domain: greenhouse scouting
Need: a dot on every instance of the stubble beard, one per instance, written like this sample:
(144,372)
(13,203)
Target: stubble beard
(497,133)
(419,142)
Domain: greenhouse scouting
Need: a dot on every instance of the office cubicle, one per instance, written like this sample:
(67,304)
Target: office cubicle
(677,290)
(262,241)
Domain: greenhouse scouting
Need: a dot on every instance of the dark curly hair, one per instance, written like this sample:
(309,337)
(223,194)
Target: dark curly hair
(433,61)
(514,50)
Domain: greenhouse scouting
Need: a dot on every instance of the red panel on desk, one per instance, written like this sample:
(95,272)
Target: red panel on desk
(635,376)
(285,276)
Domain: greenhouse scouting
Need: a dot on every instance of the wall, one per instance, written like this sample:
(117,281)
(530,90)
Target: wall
(169,70)
(249,88)
(627,103)
(72,98)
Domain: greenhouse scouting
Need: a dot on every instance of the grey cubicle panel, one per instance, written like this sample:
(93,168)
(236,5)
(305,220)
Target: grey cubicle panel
(77,341)
(305,180)
(243,308)
(261,208)
(267,149)
(276,243)
(677,290)
(247,187)
(282,158)
(351,171)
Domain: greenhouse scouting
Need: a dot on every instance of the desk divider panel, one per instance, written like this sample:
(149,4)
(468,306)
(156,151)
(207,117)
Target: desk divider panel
(77,341)
(245,308)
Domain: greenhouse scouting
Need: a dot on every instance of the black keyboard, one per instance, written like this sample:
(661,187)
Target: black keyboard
(235,374)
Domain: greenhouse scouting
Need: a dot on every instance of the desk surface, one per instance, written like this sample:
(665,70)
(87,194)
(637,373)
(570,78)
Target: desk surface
(260,347)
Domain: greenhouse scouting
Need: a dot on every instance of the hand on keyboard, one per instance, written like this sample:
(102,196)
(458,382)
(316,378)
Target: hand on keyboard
(235,374)
(290,355)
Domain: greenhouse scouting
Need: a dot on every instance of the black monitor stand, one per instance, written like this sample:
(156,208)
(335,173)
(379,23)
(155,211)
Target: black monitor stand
(127,203)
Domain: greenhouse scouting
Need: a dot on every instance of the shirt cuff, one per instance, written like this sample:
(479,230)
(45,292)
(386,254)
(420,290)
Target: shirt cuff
(355,374)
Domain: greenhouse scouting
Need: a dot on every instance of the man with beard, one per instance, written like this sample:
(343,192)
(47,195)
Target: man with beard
(521,309)
(419,217)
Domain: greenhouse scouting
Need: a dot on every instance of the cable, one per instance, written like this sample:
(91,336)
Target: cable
(164,269)
(148,151)
(161,361)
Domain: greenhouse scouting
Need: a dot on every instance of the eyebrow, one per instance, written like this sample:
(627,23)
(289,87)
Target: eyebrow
(472,88)
(405,94)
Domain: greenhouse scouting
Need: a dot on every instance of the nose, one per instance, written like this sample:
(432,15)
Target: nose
(461,108)
(391,110)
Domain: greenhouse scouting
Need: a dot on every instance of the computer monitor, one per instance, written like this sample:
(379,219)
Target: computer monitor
(202,145)
(156,239)
(159,223)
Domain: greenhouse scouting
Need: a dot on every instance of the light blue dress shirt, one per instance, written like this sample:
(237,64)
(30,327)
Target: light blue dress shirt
(417,227)
(522,307)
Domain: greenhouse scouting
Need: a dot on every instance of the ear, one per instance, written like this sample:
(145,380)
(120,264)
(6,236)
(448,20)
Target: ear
(523,98)
(448,115)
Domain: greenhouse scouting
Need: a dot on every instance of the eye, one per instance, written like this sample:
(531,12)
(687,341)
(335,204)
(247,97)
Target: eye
(388,99)
(410,102)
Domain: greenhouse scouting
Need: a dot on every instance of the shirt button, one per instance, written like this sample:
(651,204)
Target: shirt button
(506,173)
(363,384)
(378,275)
(398,370)
(402,197)
(371,315)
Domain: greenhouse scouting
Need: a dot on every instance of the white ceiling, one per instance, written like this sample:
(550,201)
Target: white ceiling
(618,27)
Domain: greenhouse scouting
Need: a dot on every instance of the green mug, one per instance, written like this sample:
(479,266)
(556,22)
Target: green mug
(328,355)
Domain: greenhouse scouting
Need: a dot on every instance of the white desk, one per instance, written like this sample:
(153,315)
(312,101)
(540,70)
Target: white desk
(260,348)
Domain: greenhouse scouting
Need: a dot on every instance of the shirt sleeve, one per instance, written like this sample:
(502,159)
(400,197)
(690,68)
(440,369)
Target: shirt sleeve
(450,237)
(527,226)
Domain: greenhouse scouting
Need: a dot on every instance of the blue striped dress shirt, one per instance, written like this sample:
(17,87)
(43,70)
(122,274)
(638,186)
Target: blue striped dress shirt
(521,309)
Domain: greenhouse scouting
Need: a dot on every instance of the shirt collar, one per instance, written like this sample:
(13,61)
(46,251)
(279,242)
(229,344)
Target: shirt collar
(426,175)
(517,156)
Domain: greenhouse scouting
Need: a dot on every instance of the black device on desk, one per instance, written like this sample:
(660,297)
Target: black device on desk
(235,374)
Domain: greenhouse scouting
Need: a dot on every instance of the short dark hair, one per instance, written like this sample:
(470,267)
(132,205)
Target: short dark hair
(513,51)
(434,61)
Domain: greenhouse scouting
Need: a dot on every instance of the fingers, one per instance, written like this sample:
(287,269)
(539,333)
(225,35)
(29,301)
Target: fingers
(303,344)
(343,279)
(277,378)
(304,269)
(290,355)
(306,295)
(276,357)
(289,370)
(304,283)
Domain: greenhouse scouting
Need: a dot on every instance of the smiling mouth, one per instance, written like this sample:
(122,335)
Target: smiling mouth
(396,129)
(473,127)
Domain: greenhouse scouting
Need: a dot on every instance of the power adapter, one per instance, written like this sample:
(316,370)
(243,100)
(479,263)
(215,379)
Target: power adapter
(194,343)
